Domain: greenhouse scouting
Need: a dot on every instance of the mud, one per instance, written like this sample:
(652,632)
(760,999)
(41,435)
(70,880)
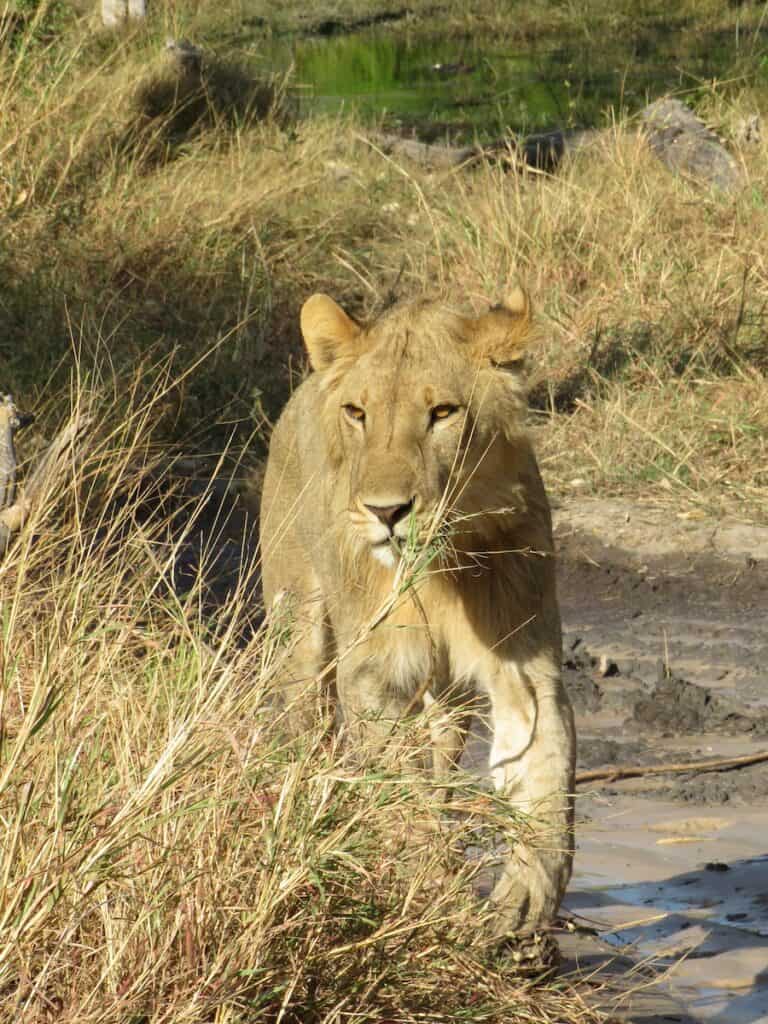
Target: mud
(744,787)
(666,654)
(672,709)
(666,646)
(676,706)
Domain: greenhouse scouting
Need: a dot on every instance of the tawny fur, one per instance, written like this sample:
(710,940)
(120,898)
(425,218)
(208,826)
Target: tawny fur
(422,412)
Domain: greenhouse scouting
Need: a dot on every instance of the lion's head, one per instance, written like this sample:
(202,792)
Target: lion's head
(422,417)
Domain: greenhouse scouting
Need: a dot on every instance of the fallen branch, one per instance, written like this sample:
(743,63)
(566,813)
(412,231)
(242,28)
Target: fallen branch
(541,152)
(617,772)
(15,509)
(681,141)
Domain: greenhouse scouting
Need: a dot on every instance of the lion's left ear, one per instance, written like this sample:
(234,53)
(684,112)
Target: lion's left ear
(328,332)
(501,335)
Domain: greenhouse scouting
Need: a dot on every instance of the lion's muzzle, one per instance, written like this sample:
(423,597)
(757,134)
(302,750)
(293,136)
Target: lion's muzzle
(391,515)
(384,523)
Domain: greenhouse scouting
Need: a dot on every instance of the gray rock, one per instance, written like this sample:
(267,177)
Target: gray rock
(686,146)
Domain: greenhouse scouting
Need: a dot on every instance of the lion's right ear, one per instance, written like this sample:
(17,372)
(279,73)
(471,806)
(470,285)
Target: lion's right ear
(329,333)
(503,334)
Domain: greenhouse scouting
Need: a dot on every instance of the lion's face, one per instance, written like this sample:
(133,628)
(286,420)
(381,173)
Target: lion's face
(402,425)
(413,410)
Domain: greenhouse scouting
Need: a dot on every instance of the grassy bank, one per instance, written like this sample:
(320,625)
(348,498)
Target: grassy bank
(165,855)
(136,237)
(515,19)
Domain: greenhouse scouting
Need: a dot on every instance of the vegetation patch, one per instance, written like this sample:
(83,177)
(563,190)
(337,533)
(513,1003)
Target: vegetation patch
(178,220)
(169,853)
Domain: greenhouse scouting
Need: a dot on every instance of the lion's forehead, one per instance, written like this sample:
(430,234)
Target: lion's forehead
(419,318)
(423,377)
(414,396)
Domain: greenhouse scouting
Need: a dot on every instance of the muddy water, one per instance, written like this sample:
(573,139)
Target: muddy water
(683,892)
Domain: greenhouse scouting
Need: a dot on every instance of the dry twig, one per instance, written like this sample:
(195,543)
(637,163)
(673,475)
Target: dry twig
(617,772)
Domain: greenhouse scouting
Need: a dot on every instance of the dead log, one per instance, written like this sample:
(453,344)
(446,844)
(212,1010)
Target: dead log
(15,508)
(683,143)
(615,773)
(542,151)
(686,146)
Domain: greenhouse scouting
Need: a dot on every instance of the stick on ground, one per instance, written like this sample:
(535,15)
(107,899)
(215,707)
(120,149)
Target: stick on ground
(617,772)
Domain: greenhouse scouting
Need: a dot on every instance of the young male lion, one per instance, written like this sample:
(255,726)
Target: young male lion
(408,437)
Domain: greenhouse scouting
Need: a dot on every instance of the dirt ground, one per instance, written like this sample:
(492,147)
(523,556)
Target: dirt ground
(666,648)
(666,652)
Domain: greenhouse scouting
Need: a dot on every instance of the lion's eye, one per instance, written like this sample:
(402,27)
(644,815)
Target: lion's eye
(442,412)
(354,413)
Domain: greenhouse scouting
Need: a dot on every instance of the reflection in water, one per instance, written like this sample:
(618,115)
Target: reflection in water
(708,927)
(480,85)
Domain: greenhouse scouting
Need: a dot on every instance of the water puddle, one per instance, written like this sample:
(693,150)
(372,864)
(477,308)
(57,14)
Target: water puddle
(732,895)
(479,85)
(687,896)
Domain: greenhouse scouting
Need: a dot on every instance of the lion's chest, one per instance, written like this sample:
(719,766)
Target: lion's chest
(427,639)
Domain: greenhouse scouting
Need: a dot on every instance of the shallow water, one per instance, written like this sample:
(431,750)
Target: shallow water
(478,85)
(692,902)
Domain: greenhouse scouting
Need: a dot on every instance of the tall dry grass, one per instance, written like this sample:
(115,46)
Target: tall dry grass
(167,854)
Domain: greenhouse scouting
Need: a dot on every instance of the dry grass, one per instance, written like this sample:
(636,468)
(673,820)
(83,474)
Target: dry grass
(179,238)
(517,20)
(167,854)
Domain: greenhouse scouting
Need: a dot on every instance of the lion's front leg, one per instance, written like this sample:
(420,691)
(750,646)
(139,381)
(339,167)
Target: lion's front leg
(373,710)
(378,719)
(381,726)
(532,762)
(449,722)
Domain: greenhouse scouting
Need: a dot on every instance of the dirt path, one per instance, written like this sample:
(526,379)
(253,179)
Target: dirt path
(666,638)
(666,651)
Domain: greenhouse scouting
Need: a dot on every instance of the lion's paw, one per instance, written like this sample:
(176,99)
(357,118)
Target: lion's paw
(528,894)
(535,956)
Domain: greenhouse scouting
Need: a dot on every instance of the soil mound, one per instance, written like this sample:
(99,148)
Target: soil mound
(677,707)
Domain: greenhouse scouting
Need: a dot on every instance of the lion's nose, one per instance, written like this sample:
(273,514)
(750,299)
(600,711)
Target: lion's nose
(391,515)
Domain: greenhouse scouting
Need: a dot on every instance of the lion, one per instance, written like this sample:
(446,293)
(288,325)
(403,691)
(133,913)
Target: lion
(408,437)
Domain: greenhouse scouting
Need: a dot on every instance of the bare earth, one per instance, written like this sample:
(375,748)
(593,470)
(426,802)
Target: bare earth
(666,639)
